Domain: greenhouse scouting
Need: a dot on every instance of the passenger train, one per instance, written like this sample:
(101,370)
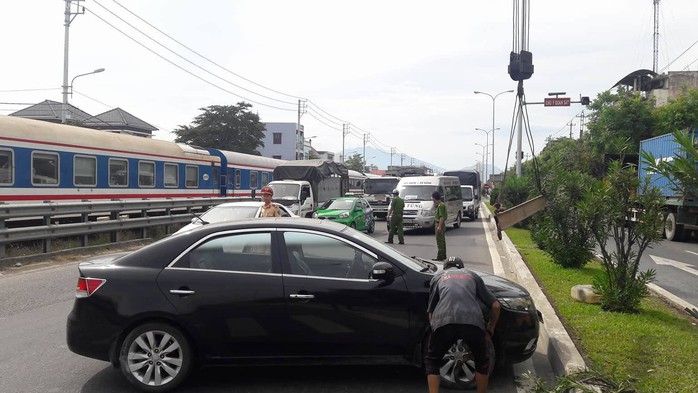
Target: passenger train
(42,161)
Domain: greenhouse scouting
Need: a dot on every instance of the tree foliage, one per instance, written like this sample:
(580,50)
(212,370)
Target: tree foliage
(226,127)
(620,121)
(355,162)
(561,229)
(629,212)
(678,114)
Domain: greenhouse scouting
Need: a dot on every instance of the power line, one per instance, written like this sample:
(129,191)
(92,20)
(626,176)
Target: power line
(189,61)
(204,57)
(184,69)
(21,90)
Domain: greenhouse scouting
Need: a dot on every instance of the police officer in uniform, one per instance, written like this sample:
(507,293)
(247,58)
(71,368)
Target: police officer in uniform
(269,209)
(397,206)
(440,226)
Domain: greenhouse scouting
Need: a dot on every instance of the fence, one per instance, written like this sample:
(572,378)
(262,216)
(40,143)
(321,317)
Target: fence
(48,221)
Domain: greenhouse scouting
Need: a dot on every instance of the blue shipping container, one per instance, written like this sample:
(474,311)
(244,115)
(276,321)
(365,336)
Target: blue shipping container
(663,147)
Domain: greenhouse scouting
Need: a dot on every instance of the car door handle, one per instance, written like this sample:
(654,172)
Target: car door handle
(299,296)
(182,292)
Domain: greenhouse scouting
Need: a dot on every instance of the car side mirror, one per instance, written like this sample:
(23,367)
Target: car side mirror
(382,271)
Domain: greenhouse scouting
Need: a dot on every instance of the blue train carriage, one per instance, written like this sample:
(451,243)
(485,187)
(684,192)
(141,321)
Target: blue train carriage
(244,174)
(42,161)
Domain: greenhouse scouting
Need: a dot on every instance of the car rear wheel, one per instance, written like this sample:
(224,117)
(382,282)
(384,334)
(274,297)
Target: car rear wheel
(458,220)
(371,227)
(155,357)
(458,368)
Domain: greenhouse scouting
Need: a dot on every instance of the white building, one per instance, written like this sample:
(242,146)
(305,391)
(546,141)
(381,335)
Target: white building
(284,141)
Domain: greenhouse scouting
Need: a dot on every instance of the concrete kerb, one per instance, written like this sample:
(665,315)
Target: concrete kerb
(563,354)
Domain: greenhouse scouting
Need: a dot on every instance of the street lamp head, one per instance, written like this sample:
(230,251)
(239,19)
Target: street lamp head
(98,70)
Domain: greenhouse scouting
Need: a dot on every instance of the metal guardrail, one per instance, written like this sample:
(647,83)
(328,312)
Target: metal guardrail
(18,222)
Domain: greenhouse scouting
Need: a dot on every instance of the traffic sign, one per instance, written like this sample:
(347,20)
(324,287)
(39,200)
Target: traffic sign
(562,101)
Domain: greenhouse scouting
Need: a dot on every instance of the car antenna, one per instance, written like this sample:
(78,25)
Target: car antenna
(203,222)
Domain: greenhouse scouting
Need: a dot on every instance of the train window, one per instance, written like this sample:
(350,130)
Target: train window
(171,175)
(7,167)
(85,171)
(44,168)
(238,179)
(265,178)
(191,178)
(118,172)
(253,180)
(146,174)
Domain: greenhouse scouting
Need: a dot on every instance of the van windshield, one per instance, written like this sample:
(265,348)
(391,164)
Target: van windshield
(417,193)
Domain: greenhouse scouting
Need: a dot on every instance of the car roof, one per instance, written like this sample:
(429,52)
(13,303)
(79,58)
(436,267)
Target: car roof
(274,222)
(241,204)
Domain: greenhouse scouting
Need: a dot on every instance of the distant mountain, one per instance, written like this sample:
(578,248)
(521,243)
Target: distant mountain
(382,160)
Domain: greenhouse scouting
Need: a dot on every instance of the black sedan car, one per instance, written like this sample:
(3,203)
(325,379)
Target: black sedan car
(278,290)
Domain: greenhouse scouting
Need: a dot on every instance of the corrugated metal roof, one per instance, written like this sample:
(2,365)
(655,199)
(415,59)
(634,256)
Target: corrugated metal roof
(51,111)
(118,118)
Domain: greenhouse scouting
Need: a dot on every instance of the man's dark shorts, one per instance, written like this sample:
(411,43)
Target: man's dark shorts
(444,337)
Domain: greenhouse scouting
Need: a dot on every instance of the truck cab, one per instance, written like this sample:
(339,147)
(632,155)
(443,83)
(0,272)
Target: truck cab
(471,204)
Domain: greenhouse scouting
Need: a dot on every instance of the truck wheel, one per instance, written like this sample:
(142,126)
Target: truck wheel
(673,231)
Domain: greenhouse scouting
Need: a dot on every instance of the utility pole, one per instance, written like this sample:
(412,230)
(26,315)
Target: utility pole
(581,124)
(69,16)
(345,131)
(571,124)
(301,110)
(402,157)
(392,151)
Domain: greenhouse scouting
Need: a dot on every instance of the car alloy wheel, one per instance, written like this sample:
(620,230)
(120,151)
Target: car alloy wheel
(155,357)
(458,368)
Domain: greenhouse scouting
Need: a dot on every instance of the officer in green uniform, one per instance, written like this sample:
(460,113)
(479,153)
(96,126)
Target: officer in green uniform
(397,206)
(440,226)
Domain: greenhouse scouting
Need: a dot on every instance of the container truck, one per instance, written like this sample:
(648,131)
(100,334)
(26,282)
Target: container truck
(680,206)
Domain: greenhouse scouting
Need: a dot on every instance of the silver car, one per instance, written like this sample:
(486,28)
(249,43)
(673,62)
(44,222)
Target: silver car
(232,211)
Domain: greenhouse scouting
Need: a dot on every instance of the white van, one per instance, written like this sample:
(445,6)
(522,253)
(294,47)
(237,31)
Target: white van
(419,208)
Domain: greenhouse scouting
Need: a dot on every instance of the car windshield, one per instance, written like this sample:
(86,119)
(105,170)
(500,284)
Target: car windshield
(417,193)
(380,186)
(338,204)
(467,193)
(285,191)
(229,213)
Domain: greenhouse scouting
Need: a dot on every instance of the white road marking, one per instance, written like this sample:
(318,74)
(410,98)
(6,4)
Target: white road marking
(687,267)
(497,266)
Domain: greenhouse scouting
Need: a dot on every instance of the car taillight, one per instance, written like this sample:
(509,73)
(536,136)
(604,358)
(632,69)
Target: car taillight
(87,286)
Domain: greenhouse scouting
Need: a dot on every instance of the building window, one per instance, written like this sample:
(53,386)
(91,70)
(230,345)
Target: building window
(85,171)
(171,175)
(277,138)
(118,172)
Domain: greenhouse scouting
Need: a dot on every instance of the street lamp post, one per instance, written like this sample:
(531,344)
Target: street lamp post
(484,157)
(487,152)
(493,110)
(65,95)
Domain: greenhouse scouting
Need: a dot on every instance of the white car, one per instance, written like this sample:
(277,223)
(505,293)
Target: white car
(232,211)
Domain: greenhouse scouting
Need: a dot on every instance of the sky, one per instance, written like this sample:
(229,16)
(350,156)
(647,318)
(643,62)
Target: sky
(404,72)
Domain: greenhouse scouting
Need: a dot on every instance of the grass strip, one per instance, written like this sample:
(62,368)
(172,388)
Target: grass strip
(658,346)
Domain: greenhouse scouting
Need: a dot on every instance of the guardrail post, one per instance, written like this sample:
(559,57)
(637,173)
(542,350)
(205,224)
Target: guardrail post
(168,227)
(144,230)
(47,240)
(3,247)
(114,234)
(84,239)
